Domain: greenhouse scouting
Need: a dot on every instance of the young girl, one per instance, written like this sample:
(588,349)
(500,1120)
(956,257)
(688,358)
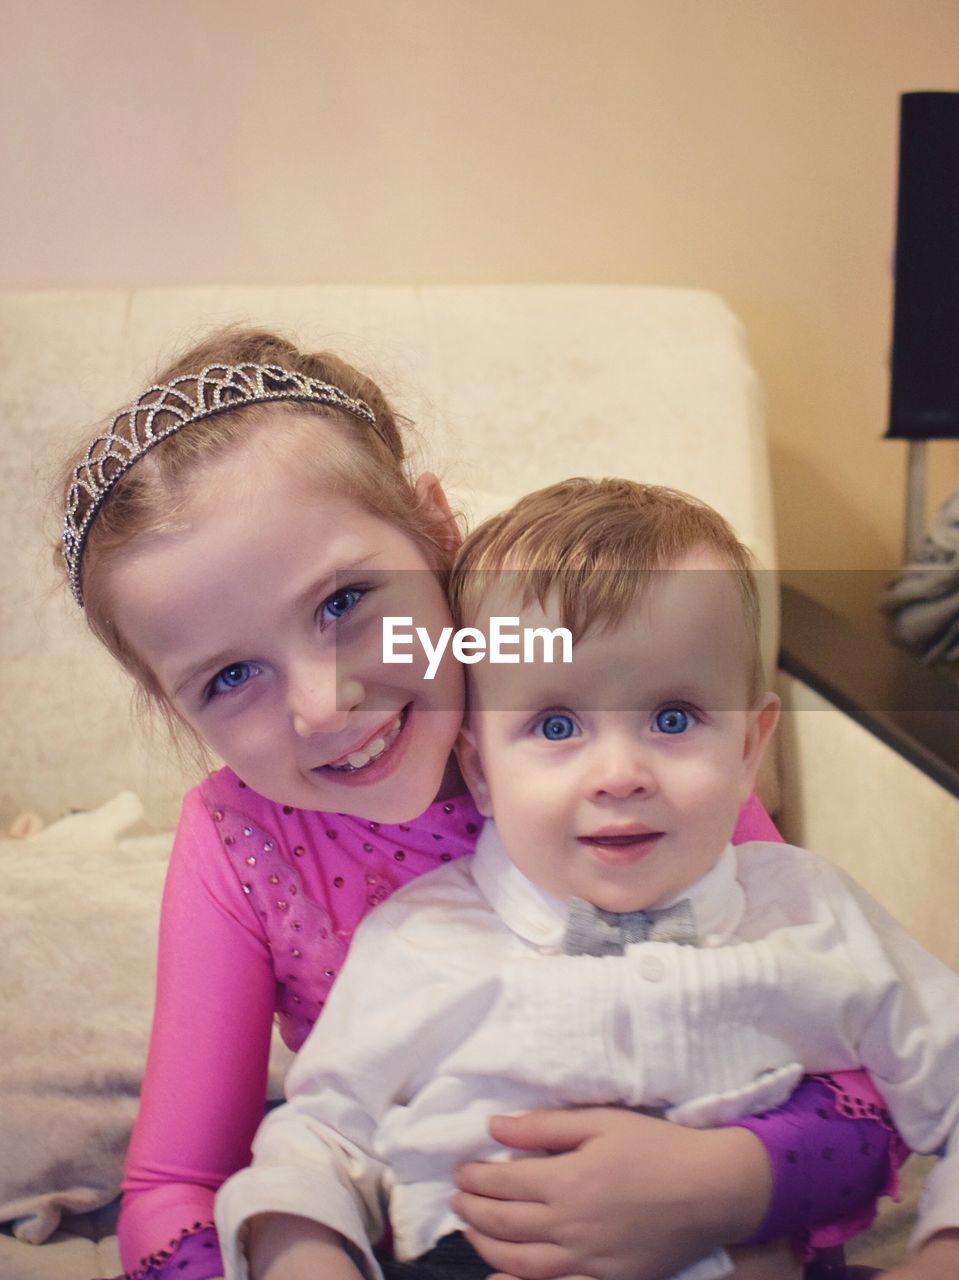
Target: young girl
(235,538)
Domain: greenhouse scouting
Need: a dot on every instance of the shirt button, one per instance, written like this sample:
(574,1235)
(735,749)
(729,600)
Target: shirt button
(652,968)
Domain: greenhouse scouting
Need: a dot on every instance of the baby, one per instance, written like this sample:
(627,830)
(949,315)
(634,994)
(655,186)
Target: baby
(606,943)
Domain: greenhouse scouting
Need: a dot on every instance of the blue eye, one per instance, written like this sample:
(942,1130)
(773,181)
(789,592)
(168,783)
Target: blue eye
(672,720)
(342,602)
(557,728)
(232,677)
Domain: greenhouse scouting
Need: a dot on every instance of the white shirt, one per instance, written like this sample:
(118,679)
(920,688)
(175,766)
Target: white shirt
(456,1004)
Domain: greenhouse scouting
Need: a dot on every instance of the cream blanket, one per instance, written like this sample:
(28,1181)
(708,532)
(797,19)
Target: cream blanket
(78,912)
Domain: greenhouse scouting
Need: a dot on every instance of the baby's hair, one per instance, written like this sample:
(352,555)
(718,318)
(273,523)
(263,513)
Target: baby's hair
(368,464)
(594,546)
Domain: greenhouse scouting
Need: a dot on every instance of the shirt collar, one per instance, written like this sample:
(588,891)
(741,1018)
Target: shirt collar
(538,917)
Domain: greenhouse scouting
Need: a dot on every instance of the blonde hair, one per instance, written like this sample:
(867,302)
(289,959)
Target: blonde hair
(594,545)
(369,465)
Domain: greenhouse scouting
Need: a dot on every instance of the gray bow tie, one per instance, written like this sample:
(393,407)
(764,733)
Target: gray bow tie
(592,932)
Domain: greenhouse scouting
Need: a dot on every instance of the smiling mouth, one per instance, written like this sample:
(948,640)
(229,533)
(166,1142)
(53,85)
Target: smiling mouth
(372,750)
(621,839)
(621,848)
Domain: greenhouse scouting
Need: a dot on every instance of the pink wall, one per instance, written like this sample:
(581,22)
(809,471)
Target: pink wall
(747,146)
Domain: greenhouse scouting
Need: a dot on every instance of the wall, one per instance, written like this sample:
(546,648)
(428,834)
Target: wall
(748,146)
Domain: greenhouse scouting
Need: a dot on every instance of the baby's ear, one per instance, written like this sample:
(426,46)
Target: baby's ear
(471,767)
(761,724)
(432,498)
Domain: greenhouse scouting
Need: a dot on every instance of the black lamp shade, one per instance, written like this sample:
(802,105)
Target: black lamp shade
(924,400)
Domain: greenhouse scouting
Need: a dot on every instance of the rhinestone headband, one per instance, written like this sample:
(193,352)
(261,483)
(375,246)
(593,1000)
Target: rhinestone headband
(161,412)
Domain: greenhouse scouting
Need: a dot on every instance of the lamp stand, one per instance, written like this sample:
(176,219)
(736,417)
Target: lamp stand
(915,524)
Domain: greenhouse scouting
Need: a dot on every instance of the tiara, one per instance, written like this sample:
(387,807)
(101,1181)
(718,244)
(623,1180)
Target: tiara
(161,412)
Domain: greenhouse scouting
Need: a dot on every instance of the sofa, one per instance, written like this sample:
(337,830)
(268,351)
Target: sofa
(509,388)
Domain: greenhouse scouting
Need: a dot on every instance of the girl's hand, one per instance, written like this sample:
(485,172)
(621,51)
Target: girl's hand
(938,1259)
(622,1197)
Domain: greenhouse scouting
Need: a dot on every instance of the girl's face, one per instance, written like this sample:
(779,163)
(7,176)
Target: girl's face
(262,622)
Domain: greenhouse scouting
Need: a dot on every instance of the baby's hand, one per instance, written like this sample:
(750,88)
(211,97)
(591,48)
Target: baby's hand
(776,1261)
(284,1247)
(938,1259)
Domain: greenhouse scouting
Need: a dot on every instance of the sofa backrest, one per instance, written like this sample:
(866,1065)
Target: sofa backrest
(511,387)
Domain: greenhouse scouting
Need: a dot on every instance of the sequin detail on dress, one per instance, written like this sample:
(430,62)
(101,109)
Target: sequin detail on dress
(852,1102)
(310,877)
(193,1255)
(291,920)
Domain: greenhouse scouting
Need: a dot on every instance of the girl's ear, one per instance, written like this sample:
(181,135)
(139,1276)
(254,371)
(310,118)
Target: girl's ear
(761,723)
(471,767)
(430,496)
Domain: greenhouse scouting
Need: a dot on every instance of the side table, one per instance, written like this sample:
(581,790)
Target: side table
(869,761)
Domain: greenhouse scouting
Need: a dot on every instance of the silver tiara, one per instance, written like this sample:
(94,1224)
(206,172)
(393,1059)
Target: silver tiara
(161,412)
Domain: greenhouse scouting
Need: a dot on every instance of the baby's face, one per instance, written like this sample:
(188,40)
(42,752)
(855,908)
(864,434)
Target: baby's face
(618,778)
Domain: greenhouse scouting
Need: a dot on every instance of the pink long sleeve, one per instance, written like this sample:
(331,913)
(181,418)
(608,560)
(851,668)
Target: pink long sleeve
(204,1089)
(831,1161)
(260,904)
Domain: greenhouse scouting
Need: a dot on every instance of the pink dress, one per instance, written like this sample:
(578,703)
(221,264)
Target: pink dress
(260,904)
